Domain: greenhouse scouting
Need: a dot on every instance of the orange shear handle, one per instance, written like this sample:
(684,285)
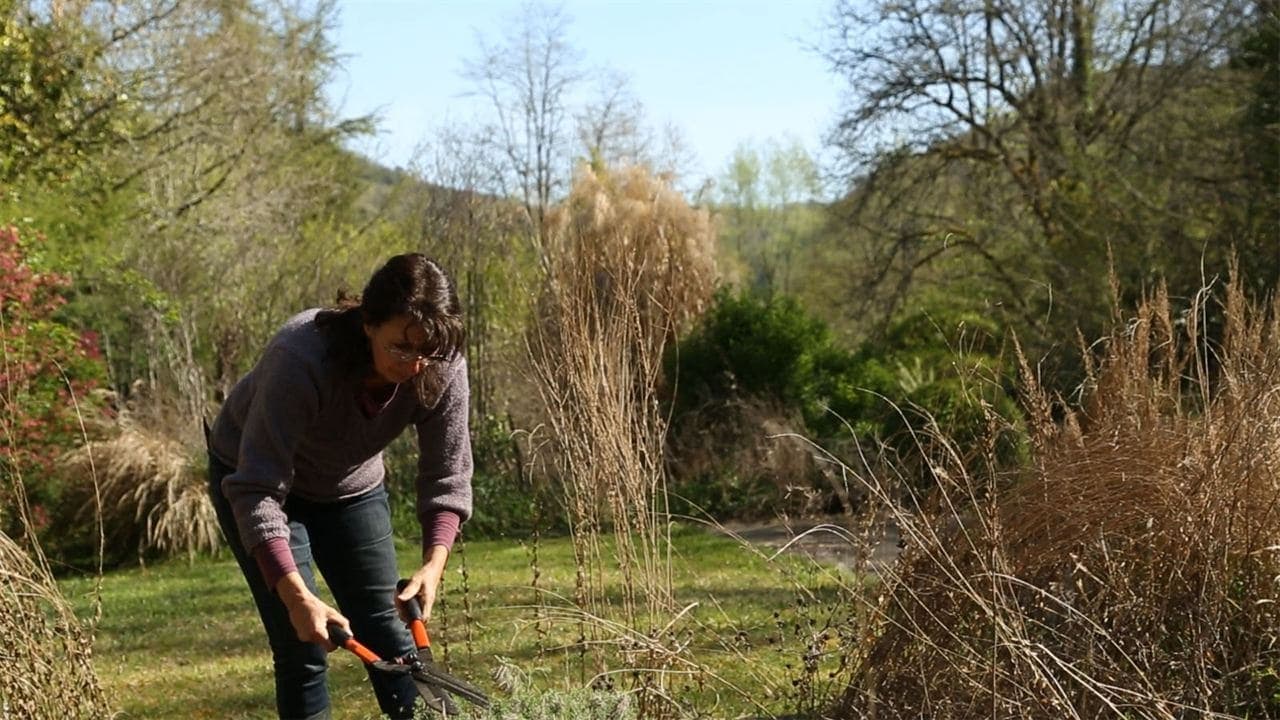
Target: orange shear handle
(343,639)
(413,609)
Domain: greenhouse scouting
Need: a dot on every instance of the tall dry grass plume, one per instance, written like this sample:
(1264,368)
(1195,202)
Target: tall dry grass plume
(1133,571)
(630,264)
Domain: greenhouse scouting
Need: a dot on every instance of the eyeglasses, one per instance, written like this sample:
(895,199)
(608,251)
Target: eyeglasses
(410,356)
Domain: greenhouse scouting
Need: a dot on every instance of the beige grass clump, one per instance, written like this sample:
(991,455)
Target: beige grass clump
(1133,572)
(151,492)
(46,665)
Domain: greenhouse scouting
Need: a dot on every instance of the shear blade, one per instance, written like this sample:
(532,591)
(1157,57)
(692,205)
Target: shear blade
(428,673)
(431,675)
(436,698)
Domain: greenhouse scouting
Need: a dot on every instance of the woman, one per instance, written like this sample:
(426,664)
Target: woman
(296,473)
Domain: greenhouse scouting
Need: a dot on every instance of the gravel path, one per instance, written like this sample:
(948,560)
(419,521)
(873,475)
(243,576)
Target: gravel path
(826,540)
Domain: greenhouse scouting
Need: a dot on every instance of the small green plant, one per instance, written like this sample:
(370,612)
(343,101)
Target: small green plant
(521,702)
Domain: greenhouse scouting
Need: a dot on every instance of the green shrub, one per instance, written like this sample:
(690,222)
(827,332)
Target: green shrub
(940,366)
(934,367)
(751,346)
(743,374)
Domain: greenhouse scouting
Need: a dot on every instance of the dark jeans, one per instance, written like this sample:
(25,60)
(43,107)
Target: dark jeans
(350,543)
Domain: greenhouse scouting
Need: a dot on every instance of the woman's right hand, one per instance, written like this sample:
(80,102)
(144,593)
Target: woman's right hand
(308,614)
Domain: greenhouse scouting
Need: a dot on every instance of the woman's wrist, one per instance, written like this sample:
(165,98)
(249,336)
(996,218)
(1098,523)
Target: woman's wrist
(435,555)
(292,590)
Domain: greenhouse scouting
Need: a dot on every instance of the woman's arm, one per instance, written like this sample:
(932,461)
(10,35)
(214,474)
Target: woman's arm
(286,401)
(443,483)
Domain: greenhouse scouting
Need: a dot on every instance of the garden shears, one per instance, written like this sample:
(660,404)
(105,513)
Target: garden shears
(433,683)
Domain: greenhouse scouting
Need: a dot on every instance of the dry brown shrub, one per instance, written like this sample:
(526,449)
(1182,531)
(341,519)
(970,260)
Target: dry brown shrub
(151,492)
(1133,571)
(46,652)
(46,665)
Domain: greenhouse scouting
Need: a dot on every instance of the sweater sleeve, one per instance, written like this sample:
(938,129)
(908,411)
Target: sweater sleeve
(286,401)
(445,464)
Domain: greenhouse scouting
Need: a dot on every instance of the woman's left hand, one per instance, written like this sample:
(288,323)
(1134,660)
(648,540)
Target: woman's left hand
(424,582)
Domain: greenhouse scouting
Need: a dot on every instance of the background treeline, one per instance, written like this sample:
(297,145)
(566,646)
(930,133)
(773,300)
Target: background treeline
(175,184)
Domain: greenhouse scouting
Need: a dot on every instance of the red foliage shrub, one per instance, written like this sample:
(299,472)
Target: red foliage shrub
(47,371)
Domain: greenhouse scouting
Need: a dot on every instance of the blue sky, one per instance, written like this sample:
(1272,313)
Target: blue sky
(721,71)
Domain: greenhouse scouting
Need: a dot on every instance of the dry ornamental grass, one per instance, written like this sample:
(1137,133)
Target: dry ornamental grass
(630,265)
(1131,572)
(151,495)
(46,666)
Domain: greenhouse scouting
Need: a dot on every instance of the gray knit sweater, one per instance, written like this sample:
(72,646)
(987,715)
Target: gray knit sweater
(293,425)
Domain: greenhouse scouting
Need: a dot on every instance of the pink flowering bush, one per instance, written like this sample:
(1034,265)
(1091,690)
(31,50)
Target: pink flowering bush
(47,371)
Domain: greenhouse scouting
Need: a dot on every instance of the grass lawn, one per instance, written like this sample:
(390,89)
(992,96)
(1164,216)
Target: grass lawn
(181,639)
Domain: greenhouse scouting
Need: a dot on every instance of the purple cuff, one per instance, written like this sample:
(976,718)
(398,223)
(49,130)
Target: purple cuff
(275,560)
(440,528)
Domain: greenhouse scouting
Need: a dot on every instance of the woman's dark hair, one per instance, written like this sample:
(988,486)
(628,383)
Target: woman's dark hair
(412,285)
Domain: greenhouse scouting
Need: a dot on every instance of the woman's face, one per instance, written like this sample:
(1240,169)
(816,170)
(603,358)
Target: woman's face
(397,347)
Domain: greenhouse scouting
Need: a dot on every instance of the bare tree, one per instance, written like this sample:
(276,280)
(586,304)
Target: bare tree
(545,112)
(610,127)
(1039,115)
(1022,84)
(481,239)
(528,79)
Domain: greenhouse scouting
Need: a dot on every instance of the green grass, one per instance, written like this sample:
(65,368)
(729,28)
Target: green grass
(182,639)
